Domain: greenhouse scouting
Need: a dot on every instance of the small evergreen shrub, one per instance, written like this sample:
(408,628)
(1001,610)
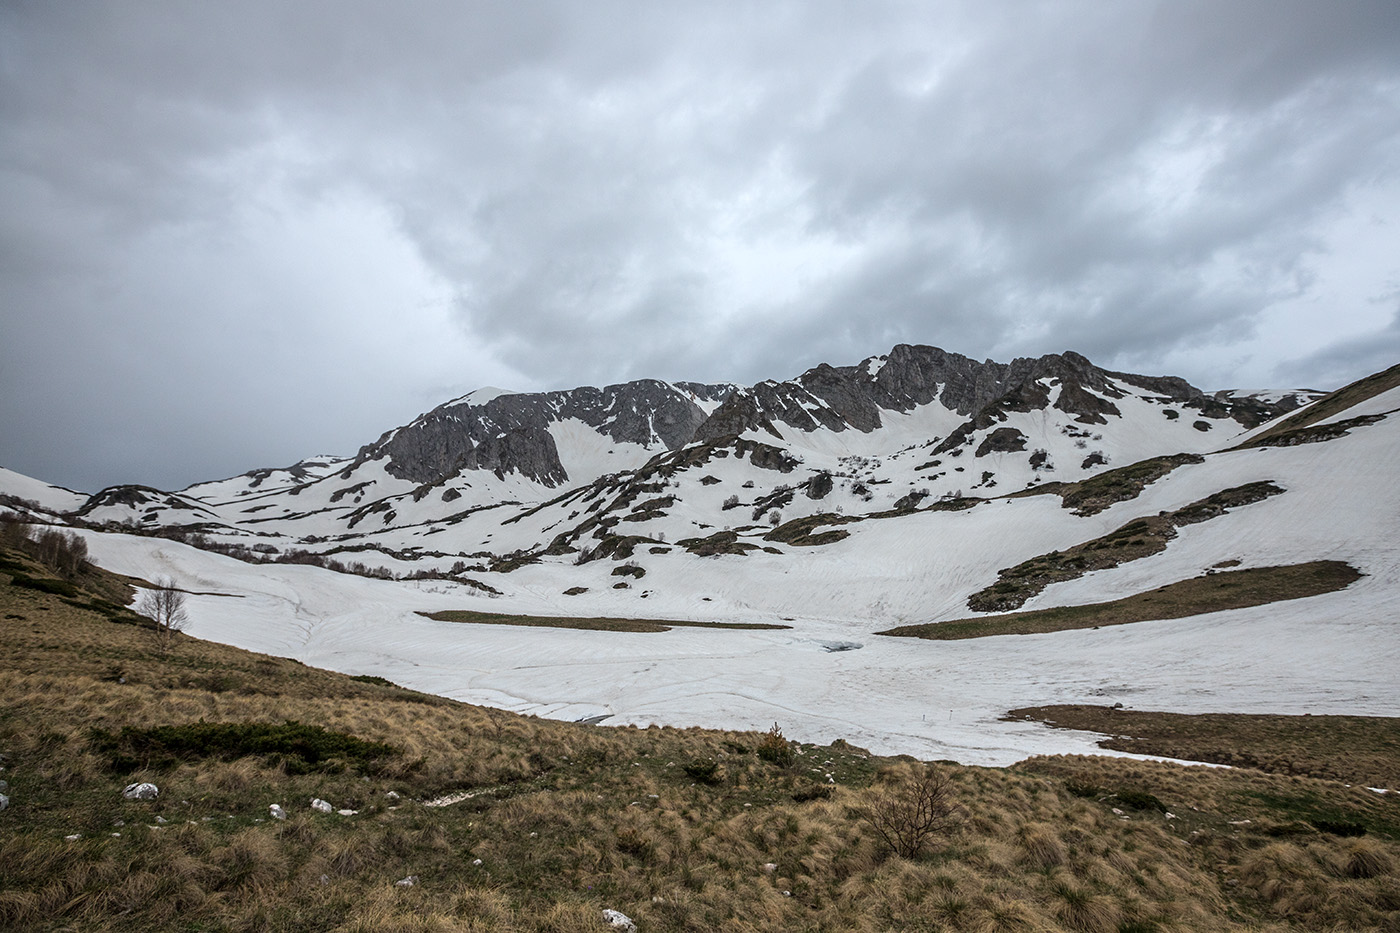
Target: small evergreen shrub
(704,770)
(775,749)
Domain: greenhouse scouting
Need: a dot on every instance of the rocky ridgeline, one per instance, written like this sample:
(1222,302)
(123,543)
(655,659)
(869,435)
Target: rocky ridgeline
(510,433)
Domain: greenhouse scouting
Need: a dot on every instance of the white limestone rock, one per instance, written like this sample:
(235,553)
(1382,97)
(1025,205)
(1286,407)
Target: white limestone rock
(143,791)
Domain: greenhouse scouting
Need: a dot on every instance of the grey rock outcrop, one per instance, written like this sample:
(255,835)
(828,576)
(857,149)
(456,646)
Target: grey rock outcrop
(840,398)
(510,433)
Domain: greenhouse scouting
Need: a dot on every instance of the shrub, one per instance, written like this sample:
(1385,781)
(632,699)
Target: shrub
(1140,800)
(704,770)
(775,749)
(907,816)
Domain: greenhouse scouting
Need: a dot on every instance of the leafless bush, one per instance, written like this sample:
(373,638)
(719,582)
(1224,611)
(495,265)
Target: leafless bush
(62,551)
(165,606)
(910,814)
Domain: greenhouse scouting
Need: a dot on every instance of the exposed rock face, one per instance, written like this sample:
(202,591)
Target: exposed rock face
(510,433)
(852,397)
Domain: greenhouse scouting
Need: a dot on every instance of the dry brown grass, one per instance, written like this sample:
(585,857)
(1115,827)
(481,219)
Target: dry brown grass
(1352,749)
(568,819)
(1213,592)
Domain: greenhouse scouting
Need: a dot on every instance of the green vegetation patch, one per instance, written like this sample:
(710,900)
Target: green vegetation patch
(802,532)
(1352,749)
(602,624)
(300,749)
(43,584)
(1139,538)
(374,679)
(1213,592)
(721,542)
(1093,495)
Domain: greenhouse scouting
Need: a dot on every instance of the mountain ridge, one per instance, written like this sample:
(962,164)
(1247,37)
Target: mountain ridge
(510,432)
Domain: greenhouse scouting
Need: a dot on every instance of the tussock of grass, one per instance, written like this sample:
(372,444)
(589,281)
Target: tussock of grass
(566,819)
(1212,592)
(600,624)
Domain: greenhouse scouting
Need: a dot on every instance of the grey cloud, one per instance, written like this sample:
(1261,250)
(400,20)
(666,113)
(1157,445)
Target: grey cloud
(722,191)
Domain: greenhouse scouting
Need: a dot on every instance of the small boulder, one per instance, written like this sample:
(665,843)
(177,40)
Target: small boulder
(4,801)
(408,882)
(619,921)
(276,811)
(142,791)
(318,804)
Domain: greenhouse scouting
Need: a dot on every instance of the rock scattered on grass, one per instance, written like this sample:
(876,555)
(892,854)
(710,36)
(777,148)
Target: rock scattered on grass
(318,804)
(143,791)
(408,882)
(276,811)
(619,921)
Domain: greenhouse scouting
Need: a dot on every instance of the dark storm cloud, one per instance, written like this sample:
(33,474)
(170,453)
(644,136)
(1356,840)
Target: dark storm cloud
(245,232)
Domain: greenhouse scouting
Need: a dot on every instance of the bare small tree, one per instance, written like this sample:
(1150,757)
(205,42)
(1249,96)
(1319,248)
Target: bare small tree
(165,606)
(908,815)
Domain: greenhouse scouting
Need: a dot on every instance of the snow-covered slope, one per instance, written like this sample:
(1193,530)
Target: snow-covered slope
(838,530)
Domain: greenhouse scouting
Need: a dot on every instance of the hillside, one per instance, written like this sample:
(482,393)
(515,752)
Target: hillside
(782,527)
(455,817)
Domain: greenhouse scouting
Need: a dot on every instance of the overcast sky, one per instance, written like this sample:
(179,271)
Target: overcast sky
(236,234)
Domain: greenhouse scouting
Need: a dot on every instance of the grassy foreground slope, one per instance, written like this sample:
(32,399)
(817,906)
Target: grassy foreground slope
(680,829)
